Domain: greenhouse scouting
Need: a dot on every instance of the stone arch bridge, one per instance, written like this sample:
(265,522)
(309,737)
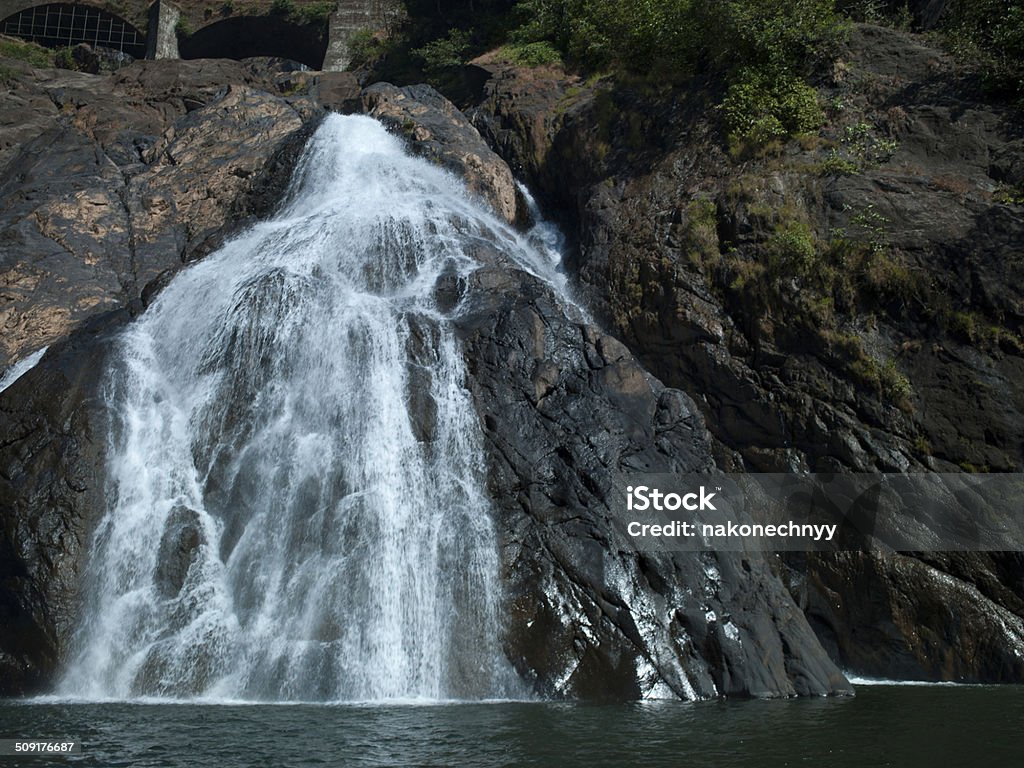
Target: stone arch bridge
(312,32)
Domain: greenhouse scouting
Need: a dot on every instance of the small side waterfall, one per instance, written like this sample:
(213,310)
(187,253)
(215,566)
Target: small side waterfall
(297,507)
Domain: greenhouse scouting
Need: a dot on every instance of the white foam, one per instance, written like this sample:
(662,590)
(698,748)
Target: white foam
(867,681)
(20,368)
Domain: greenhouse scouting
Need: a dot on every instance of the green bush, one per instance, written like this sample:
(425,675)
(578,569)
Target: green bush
(363,47)
(785,37)
(765,48)
(308,13)
(760,106)
(315,13)
(30,53)
(835,164)
(870,227)
(635,35)
(445,52)
(531,54)
(792,251)
(895,385)
(700,232)
(63,58)
(282,7)
(1009,195)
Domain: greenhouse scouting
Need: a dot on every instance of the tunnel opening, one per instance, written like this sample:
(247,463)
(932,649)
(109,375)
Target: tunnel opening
(241,37)
(57,25)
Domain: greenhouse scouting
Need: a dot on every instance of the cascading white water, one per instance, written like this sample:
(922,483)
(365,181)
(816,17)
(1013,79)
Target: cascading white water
(297,502)
(20,368)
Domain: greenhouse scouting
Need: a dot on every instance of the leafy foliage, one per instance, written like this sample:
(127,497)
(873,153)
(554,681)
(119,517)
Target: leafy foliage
(792,250)
(782,37)
(308,13)
(631,34)
(30,53)
(676,36)
(316,13)
(990,33)
(764,47)
(363,47)
(761,106)
(34,55)
(63,58)
(445,52)
(531,54)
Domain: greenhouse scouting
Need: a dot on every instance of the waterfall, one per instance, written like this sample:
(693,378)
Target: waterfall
(296,484)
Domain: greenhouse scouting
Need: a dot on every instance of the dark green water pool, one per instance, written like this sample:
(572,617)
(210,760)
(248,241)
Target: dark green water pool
(903,726)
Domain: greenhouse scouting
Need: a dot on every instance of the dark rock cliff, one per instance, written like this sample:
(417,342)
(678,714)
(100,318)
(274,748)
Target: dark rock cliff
(567,410)
(847,302)
(111,181)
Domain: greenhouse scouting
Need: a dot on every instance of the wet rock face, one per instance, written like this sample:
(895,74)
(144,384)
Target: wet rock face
(435,129)
(567,412)
(51,494)
(183,534)
(673,241)
(943,616)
